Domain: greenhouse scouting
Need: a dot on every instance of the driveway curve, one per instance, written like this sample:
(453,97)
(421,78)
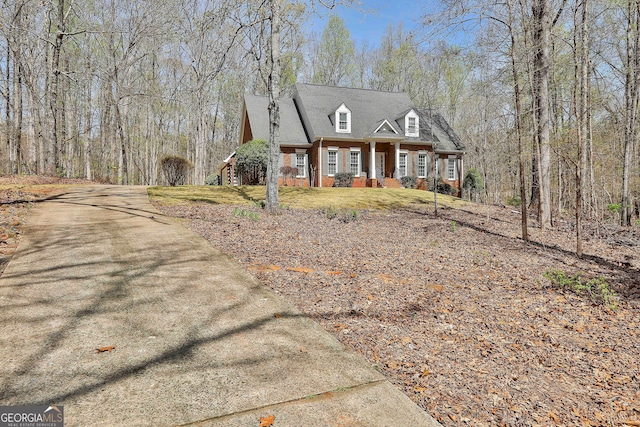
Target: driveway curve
(193,338)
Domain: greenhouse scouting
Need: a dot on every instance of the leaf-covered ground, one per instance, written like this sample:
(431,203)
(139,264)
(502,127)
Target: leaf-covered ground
(455,310)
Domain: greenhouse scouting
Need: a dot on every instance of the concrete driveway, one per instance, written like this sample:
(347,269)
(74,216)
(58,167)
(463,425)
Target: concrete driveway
(197,340)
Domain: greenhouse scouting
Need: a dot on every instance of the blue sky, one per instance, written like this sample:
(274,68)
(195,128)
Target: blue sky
(371,18)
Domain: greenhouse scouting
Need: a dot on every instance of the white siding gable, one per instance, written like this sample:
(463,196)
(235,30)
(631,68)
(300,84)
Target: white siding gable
(343,119)
(412,124)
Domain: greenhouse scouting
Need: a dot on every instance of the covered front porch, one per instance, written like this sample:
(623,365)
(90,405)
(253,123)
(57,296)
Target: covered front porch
(387,163)
(372,163)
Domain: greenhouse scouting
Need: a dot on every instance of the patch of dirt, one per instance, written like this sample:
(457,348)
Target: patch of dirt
(455,310)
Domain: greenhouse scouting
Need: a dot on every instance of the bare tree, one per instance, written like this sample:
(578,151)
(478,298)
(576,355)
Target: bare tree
(631,93)
(581,89)
(517,99)
(272,202)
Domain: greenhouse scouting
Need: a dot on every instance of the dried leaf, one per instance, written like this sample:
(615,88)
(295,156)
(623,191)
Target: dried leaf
(103,349)
(631,423)
(554,417)
(460,301)
(300,269)
(267,421)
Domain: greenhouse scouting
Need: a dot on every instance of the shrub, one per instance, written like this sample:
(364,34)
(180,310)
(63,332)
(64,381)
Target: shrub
(345,215)
(245,213)
(409,181)
(349,215)
(289,172)
(251,160)
(514,201)
(597,289)
(614,208)
(329,212)
(213,179)
(473,180)
(443,188)
(175,169)
(343,179)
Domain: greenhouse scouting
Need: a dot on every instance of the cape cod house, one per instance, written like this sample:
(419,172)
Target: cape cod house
(377,136)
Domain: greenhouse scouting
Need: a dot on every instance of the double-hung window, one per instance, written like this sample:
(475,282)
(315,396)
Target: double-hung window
(411,129)
(301,164)
(343,122)
(343,119)
(402,165)
(451,169)
(422,165)
(332,162)
(354,163)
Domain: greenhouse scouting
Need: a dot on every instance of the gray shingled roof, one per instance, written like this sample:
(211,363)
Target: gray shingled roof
(317,105)
(434,128)
(291,130)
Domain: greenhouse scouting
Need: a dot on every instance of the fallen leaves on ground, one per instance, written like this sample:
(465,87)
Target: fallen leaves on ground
(267,421)
(460,318)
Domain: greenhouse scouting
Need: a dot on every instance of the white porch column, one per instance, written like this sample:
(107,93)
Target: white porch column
(372,160)
(397,172)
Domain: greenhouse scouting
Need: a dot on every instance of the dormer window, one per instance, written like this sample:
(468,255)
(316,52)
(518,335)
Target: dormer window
(412,124)
(343,119)
(343,123)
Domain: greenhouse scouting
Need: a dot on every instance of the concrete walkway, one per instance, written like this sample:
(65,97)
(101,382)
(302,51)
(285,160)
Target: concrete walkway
(197,340)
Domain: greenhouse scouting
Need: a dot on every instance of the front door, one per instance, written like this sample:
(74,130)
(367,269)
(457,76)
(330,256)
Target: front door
(380,165)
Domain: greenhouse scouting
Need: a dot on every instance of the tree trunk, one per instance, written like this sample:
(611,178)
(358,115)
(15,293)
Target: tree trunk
(272,203)
(631,102)
(200,148)
(581,88)
(123,171)
(17,118)
(542,32)
(52,142)
(521,159)
(87,121)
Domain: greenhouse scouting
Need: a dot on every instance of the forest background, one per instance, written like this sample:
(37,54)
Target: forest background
(544,96)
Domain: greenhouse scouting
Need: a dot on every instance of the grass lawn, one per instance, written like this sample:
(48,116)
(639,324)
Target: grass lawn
(304,197)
